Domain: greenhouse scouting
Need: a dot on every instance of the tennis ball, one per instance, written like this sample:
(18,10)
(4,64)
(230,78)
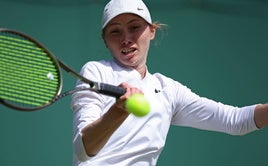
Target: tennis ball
(138,105)
(50,76)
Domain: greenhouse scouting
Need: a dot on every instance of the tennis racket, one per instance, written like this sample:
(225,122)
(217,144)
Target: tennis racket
(30,76)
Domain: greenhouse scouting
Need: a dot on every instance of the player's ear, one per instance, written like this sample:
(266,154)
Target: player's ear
(153,31)
(104,42)
(103,38)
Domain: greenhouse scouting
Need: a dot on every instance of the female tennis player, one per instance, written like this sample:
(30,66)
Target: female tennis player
(106,134)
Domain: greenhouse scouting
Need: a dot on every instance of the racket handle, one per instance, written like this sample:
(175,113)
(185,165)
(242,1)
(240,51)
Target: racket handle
(111,90)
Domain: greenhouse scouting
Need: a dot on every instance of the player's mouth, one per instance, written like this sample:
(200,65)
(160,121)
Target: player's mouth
(128,51)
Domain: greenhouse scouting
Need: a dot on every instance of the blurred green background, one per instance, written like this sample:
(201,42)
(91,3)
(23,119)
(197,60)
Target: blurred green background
(218,48)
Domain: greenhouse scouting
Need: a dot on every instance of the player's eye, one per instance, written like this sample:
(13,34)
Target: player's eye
(114,31)
(134,28)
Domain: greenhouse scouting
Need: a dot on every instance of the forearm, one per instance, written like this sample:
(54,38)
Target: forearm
(261,115)
(96,135)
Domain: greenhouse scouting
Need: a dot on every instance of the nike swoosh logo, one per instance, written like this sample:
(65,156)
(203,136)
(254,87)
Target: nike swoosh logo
(157,91)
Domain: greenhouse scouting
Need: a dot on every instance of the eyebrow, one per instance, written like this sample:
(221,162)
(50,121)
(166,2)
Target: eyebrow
(129,22)
(134,20)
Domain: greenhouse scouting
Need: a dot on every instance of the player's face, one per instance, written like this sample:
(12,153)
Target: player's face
(128,38)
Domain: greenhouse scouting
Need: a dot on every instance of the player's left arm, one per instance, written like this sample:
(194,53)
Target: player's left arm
(261,115)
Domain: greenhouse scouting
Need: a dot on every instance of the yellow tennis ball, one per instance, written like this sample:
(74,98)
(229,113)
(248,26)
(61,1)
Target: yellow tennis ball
(138,105)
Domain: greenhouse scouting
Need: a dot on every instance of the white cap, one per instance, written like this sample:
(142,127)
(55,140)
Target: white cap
(117,7)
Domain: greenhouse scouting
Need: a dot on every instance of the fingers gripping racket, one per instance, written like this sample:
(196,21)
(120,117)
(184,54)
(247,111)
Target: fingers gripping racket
(30,76)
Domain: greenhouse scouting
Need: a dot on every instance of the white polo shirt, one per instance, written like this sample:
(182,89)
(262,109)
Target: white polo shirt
(139,141)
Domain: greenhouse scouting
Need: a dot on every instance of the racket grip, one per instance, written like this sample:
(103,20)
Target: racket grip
(111,90)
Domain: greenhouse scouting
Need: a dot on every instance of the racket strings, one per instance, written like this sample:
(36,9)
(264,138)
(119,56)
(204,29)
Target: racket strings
(29,77)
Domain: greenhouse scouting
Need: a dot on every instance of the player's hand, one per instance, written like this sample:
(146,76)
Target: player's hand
(130,90)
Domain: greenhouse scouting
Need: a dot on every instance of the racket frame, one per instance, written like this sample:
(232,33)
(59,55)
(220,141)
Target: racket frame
(103,88)
(55,62)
